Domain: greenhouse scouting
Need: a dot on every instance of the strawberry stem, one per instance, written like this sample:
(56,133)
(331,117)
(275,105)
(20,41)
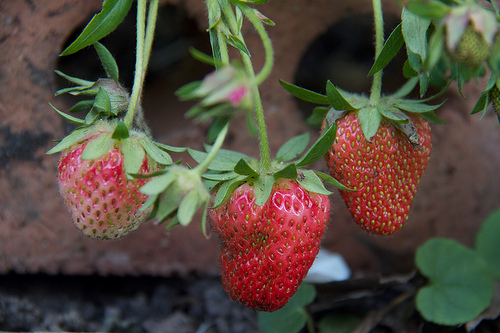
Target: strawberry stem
(143,51)
(376,88)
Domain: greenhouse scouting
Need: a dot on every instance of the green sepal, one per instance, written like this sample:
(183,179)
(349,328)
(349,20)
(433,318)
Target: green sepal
(74,137)
(263,18)
(226,189)
(432,118)
(98,146)
(159,184)
(370,119)
(112,14)
(133,155)
(393,113)
(80,82)
(317,116)
(167,204)
(237,43)
(108,62)
(481,103)
(102,103)
(217,125)
(204,220)
(253,2)
(288,172)
(188,207)
(170,148)
(329,180)
(335,98)
(148,175)
(405,88)
(414,30)
(224,160)
(82,106)
(415,106)
(201,57)
(436,48)
(304,94)
(242,168)
(220,177)
(293,148)
(68,117)
(157,154)
(151,200)
(320,147)
(391,47)
(263,187)
(312,183)
(121,131)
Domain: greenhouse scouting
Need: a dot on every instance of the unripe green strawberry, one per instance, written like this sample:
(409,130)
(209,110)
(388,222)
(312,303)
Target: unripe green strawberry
(102,201)
(472,49)
(267,250)
(495,100)
(384,171)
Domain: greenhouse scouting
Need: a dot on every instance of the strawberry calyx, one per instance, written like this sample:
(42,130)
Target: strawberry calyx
(395,108)
(230,169)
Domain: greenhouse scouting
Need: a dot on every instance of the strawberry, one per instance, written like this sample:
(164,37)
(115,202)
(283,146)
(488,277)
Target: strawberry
(267,250)
(103,202)
(472,49)
(384,171)
(494,96)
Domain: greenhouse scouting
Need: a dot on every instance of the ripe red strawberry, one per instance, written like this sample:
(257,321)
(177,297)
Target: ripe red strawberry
(267,250)
(103,203)
(384,171)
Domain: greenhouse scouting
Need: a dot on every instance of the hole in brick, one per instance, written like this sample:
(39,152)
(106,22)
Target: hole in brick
(344,54)
(170,66)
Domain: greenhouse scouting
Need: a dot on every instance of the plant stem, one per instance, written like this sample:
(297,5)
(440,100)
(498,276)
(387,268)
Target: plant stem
(266,41)
(376,89)
(145,36)
(203,166)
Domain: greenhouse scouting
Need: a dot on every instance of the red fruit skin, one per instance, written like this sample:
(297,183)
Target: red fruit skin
(102,202)
(268,250)
(385,172)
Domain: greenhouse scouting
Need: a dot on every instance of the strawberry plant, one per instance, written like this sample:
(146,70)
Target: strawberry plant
(271,212)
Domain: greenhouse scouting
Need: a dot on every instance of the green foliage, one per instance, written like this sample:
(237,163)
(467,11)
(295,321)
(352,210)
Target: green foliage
(112,14)
(292,317)
(487,244)
(460,285)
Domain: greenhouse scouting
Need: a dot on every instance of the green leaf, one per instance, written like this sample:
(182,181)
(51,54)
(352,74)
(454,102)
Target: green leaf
(338,323)
(107,61)
(391,47)
(429,9)
(304,94)
(335,98)
(369,118)
(414,29)
(160,156)
(121,131)
(133,155)
(74,137)
(327,179)
(320,147)
(98,146)
(188,207)
(460,286)
(68,117)
(292,317)
(112,14)
(244,169)
(288,172)
(292,148)
(263,187)
(487,242)
(312,183)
